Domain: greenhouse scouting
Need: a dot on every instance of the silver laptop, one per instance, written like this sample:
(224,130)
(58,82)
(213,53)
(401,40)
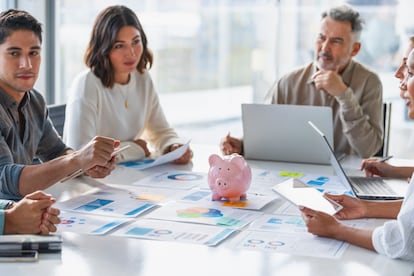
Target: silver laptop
(371,188)
(281,132)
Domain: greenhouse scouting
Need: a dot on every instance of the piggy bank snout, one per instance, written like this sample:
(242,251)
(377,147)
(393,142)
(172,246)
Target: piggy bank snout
(222,183)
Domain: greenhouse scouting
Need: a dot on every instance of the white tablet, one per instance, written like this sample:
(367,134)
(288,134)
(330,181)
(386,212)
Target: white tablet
(298,193)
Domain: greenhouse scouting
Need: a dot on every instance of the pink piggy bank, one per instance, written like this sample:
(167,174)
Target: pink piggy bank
(229,177)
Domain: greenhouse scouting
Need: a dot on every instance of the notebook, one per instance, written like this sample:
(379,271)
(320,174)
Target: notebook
(371,188)
(281,132)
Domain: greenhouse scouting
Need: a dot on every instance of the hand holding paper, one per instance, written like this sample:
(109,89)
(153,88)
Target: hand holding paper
(80,171)
(165,158)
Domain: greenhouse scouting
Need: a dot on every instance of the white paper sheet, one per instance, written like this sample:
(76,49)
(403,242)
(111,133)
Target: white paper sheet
(175,231)
(288,234)
(181,180)
(162,159)
(107,202)
(303,244)
(87,224)
(204,214)
(252,202)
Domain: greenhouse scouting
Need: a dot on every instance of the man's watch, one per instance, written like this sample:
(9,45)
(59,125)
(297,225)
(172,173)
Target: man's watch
(9,205)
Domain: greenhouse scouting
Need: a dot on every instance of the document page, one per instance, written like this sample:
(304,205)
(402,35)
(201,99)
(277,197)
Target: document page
(162,159)
(87,224)
(288,234)
(107,202)
(204,214)
(175,231)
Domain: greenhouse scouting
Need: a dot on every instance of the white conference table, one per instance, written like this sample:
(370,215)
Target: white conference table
(108,255)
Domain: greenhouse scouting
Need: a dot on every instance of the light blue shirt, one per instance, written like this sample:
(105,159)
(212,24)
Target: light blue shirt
(3,206)
(1,222)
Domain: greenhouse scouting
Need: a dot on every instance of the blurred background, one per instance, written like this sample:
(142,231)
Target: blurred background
(213,55)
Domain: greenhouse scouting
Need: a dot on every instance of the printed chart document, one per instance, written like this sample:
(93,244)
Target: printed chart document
(303,244)
(162,159)
(152,194)
(204,214)
(88,224)
(107,202)
(181,180)
(264,180)
(297,192)
(288,234)
(253,201)
(175,231)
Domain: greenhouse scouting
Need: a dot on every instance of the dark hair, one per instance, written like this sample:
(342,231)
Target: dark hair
(14,20)
(104,32)
(345,13)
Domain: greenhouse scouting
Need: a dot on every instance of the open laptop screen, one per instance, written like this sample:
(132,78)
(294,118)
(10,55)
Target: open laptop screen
(281,132)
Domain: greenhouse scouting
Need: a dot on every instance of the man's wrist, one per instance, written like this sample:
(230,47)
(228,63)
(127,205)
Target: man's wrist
(9,205)
(6,204)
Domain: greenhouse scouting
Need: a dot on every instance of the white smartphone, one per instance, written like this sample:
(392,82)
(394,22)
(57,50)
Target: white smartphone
(19,256)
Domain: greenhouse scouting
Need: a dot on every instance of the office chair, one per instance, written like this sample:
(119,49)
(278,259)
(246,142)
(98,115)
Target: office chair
(57,115)
(386,113)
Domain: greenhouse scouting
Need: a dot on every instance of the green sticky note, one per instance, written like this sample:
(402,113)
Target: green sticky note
(290,174)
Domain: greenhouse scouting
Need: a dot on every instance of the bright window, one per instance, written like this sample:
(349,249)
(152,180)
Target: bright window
(212,55)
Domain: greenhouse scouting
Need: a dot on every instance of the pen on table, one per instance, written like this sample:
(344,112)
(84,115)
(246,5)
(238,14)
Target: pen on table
(386,158)
(80,171)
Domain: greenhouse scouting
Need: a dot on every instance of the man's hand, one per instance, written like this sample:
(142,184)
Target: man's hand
(96,157)
(330,82)
(230,145)
(32,215)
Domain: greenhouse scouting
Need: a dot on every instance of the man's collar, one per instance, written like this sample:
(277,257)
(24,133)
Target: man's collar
(9,101)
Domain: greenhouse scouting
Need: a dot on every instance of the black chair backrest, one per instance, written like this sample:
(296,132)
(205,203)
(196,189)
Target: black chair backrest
(57,115)
(386,113)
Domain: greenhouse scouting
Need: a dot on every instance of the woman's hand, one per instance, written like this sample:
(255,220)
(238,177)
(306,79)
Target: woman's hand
(352,207)
(185,158)
(143,144)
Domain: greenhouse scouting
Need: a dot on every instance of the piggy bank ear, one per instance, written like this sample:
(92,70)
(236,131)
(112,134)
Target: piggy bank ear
(239,161)
(213,159)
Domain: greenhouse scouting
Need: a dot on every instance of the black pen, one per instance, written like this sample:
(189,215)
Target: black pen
(386,158)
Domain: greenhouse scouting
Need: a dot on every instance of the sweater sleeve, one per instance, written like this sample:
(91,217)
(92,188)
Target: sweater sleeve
(395,238)
(157,129)
(81,114)
(362,122)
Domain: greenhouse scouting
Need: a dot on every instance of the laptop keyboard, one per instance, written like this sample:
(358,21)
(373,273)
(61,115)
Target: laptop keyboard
(372,185)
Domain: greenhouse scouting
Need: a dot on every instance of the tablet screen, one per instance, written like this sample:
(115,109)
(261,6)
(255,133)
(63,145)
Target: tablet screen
(298,193)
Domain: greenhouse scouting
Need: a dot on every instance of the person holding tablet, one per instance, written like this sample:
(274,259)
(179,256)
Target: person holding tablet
(395,238)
